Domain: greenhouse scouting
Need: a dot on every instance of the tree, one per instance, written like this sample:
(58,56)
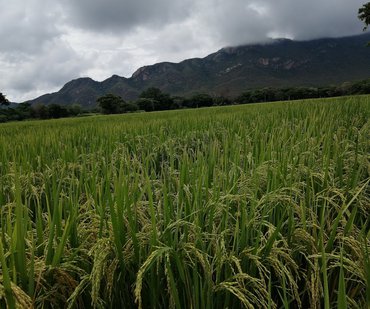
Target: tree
(39,111)
(146,104)
(178,102)
(221,100)
(23,110)
(57,111)
(199,100)
(74,109)
(3,100)
(202,100)
(128,107)
(110,103)
(162,101)
(364,14)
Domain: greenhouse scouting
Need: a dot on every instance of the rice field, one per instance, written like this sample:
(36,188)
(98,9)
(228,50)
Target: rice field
(256,206)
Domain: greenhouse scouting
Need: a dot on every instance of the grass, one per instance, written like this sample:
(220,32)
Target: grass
(242,206)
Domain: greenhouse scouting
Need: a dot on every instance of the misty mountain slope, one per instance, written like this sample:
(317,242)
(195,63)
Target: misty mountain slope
(232,70)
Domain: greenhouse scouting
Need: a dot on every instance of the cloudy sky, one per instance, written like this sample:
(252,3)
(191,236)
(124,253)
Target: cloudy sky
(46,43)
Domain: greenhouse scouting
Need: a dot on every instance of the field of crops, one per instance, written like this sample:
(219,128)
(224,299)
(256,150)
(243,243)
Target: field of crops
(256,206)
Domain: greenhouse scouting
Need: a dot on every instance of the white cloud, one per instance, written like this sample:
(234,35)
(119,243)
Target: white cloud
(35,74)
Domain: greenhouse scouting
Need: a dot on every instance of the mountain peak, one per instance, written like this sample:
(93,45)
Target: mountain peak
(138,74)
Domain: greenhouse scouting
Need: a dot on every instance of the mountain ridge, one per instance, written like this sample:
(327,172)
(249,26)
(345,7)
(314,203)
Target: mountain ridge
(232,70)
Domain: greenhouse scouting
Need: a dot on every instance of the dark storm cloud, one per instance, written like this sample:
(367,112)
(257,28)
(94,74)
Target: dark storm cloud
(239,22)
(118,15)
(316,18)
(228,22)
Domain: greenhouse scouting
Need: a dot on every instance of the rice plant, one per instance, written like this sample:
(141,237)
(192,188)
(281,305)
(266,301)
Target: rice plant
(256,206)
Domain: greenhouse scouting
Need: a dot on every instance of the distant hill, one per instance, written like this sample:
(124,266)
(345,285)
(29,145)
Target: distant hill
(232,70)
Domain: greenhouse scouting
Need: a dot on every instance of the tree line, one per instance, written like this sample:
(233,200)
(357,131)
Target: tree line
(24,111)
(153,99)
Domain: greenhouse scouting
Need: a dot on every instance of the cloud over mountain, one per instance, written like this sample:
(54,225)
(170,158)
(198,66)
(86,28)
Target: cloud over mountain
(45,43)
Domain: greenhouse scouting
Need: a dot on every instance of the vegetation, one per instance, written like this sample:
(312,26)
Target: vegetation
(150,103)
(113,104)
(364,14)
(3,100)
(199,100)
(298,93)
(153,99)
(227,207)
(158,99)
(24,111)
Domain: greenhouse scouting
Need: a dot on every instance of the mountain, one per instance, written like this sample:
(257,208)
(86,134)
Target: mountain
(232,70)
